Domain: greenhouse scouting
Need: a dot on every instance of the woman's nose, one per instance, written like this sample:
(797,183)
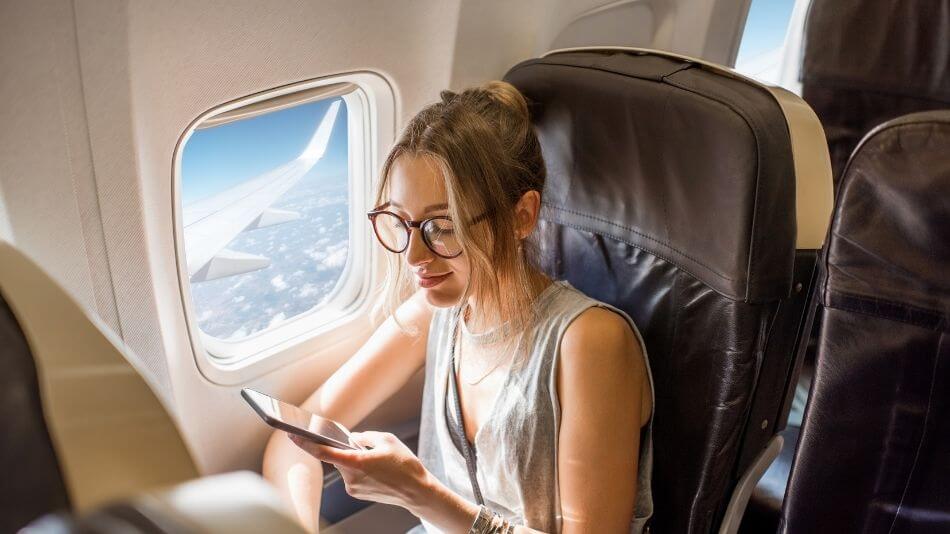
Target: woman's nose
(417,253)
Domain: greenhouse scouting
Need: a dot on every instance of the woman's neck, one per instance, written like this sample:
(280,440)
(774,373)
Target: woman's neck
(482,321)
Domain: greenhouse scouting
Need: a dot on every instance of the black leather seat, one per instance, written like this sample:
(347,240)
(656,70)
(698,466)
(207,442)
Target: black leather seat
(32,481)
(863,63)
(671,194)
(874,453)
(868,62)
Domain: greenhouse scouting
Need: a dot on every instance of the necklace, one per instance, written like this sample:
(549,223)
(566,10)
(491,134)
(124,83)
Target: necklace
(487,337)
(491,336)
(495,334)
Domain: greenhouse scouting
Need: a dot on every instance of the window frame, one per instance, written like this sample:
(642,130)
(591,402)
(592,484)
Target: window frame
(371,112)
(792,48)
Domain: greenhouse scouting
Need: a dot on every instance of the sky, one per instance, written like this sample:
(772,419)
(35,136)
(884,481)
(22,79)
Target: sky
(215,159)
(765,28)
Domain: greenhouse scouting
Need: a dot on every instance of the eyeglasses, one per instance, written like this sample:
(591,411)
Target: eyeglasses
(393,232)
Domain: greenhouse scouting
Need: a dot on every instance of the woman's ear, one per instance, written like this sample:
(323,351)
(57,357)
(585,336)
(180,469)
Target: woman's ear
(526,213)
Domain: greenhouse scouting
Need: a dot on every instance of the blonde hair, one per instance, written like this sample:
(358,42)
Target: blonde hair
(482,141)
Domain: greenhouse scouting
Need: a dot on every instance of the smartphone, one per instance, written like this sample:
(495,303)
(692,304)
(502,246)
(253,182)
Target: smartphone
(290,418)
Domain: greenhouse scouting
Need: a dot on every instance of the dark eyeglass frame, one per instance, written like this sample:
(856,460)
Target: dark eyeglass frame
(409,225)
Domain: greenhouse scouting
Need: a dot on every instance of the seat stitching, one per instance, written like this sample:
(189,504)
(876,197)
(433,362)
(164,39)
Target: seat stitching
(634,231)
(660,256)
(837,299)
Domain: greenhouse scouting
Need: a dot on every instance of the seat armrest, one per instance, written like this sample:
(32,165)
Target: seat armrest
(232,502)
(235,503)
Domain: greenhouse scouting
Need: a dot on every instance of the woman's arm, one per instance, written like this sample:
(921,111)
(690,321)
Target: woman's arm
(379,369)
(605,399)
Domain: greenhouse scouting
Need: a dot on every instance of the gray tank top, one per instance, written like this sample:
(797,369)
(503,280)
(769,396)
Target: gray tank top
(517,477)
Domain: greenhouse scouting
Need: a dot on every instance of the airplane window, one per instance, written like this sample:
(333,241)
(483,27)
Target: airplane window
(768,51)
(265,215)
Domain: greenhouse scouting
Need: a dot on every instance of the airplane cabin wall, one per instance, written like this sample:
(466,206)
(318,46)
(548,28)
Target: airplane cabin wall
(6,233)
(98,93)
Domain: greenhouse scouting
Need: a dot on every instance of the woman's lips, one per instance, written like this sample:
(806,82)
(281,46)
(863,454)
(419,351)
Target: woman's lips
(432,281)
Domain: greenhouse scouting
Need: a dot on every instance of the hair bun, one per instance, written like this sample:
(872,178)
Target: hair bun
(508,96)
(447,96)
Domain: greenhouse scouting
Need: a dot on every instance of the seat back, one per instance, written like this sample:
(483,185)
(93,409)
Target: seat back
(32,482)
(88,416)
(875,443)
(868,62)
(671,194)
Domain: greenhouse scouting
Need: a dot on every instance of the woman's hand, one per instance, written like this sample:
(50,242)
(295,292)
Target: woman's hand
(390,473)
(387,472)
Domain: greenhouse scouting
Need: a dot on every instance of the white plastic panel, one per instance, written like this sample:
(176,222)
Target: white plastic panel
(6,232)
(626,23)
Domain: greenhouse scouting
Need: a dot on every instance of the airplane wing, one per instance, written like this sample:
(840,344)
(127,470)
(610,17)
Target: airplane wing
(211,223)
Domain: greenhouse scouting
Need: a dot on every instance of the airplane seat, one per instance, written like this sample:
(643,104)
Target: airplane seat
(33,483)
(865,63)
(87,426)
(875,441)
(862,65)
(693,199)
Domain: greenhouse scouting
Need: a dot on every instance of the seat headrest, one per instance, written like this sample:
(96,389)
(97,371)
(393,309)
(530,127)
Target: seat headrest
(684,161)
(896,47)
(865,63)
(889,249)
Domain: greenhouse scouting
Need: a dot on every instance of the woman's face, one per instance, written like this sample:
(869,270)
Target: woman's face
(417,192)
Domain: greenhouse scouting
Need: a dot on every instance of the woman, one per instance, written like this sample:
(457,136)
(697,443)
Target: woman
(553,387)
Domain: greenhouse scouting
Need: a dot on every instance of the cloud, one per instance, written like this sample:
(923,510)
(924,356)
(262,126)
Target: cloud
(277,319)
(240,333)
(308,290)
(335,256)
(316,255)
(278,282)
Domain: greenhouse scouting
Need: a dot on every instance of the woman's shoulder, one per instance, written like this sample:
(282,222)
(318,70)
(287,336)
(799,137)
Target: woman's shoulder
(570,299)
(599,326)
(593,321)
(561,294)
(599,341)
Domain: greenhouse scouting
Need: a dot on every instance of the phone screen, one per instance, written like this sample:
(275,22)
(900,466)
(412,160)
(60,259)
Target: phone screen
(314,426)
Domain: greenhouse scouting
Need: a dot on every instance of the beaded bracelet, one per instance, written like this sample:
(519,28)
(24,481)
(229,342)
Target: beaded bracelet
(488,522)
